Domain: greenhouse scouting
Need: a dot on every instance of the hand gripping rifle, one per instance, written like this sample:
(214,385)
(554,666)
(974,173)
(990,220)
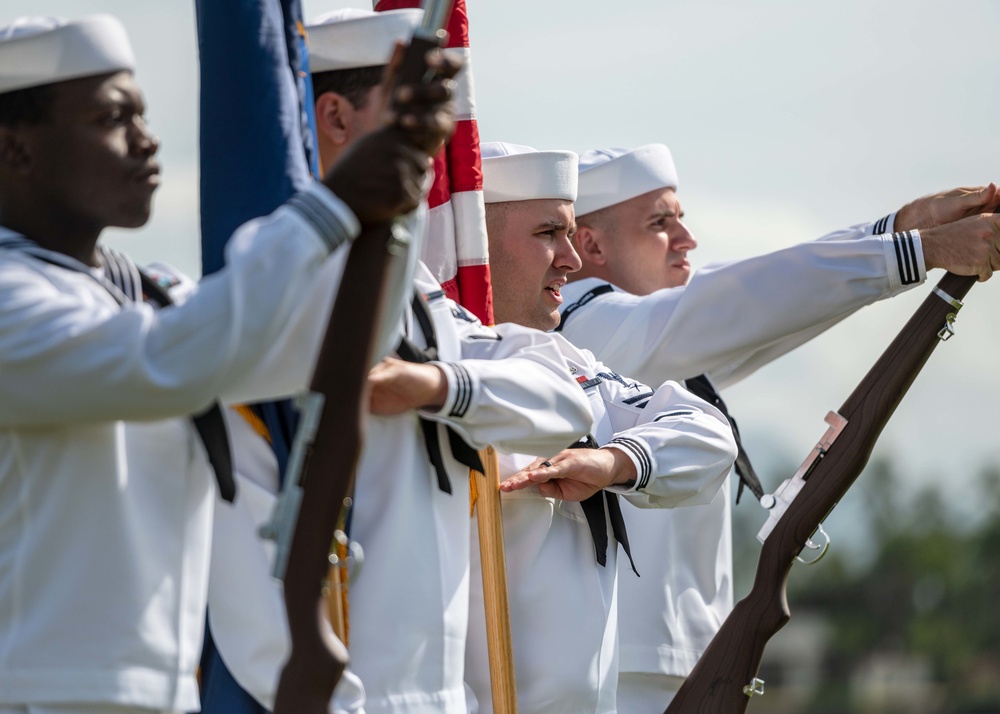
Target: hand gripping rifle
(326,450)
(725,677)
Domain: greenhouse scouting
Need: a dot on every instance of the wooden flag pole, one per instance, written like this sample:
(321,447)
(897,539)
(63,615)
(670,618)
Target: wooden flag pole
(495,596)
(338,579)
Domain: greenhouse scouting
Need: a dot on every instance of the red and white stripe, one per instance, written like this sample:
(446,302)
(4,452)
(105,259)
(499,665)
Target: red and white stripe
(456,249)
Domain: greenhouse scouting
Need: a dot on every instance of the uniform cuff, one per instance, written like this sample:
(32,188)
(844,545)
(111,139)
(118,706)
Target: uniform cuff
(640,455)
(330,217)
(882,225)
(463,390)
(904,256)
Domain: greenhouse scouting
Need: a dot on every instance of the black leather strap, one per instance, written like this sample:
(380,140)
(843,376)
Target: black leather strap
(119,279)
(210,424)
(593,510)
(460,450)
(701,387)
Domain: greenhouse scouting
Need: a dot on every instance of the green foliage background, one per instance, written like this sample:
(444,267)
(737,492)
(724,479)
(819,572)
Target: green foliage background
(918,584)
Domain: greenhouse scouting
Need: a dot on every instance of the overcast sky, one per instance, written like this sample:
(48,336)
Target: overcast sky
(787,119)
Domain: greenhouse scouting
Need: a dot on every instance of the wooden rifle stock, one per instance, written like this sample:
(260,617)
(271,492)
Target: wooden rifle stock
(317,659)
(725,676)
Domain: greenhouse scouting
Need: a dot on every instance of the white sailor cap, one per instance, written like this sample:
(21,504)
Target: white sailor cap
(610,176)
(44,50)
(350,38)
(512,172)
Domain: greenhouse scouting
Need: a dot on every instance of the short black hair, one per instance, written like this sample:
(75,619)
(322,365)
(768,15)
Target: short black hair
(29,106)
(352,84)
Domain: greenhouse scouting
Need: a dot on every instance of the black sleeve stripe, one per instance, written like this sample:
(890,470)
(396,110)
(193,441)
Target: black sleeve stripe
(644,459)
(906,258)
(914,269)
(670,415)
(463,383)
(321,218)
(638,398)
(881,224)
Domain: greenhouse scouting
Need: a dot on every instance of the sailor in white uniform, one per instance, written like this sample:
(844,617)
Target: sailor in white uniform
(409,602)
(562,521)
(633,306)
(509,386)
(106,488)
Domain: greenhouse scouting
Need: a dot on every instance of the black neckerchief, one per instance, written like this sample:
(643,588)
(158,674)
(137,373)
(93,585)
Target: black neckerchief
(460,450)
(701,387)
(593,509)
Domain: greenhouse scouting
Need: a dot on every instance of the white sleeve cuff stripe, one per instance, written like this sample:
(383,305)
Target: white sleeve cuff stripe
(463,386)
(906,257)
(882,225)
(640,457)
(328,224)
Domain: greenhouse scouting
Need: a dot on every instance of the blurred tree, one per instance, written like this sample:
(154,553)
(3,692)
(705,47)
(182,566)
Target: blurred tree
(926,591)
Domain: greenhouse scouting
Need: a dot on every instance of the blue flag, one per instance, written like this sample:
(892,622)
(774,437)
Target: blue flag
(256,149)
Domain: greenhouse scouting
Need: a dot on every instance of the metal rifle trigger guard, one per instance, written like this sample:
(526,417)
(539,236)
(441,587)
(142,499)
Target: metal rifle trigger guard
(756,686)
(821,547)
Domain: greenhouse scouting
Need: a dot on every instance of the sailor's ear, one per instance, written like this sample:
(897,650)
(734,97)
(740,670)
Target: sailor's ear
(334,117)
(588,244)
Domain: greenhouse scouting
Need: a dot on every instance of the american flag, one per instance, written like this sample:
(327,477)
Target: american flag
(456,250)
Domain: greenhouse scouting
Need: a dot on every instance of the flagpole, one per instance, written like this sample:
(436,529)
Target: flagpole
(458,182)
(499,644)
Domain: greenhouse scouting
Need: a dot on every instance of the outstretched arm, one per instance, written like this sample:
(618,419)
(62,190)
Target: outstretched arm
(946,207)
